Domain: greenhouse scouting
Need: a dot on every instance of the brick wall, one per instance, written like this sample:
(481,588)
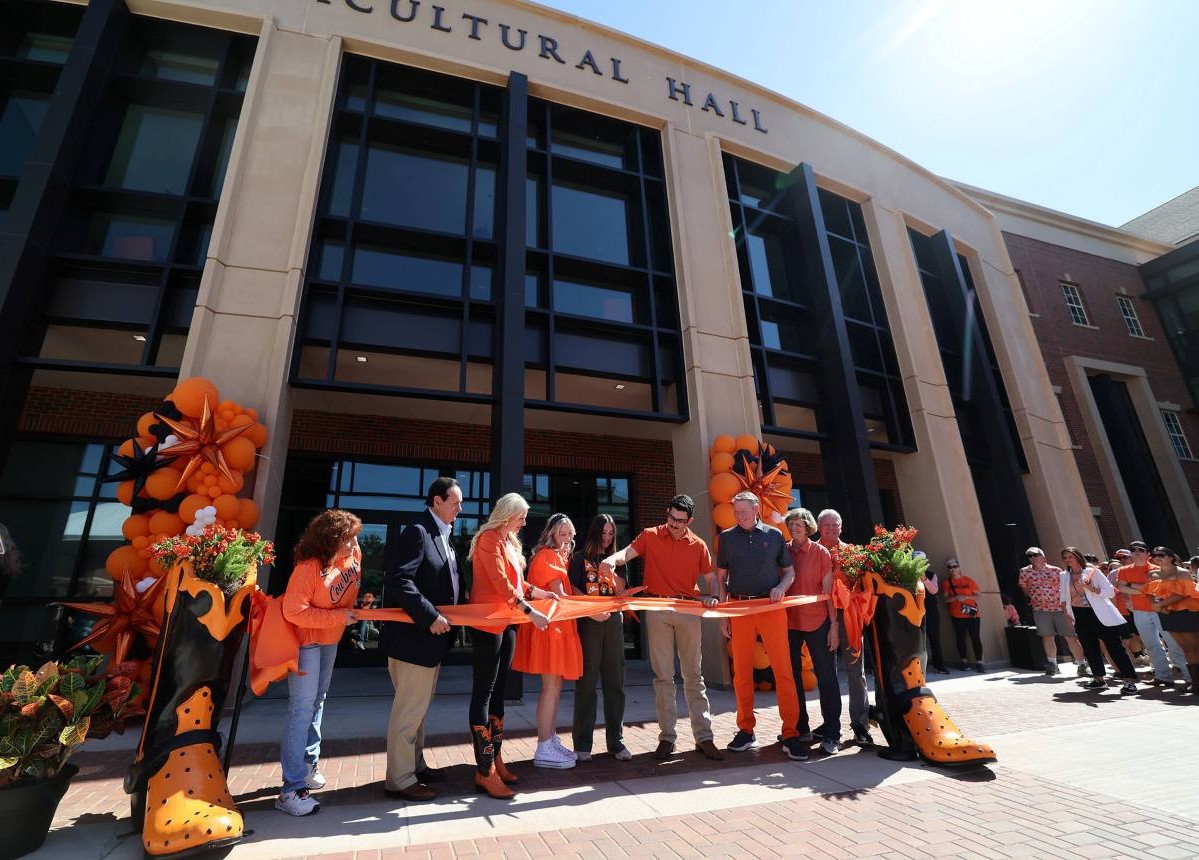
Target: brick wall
(1042,268)
(97,415)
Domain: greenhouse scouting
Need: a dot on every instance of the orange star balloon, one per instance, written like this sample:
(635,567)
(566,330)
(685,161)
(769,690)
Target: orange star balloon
(129,615)
(202,443)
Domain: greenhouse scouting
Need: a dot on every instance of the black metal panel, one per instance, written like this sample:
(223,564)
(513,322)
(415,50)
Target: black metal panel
(44,191)
(849,471)
(508,413)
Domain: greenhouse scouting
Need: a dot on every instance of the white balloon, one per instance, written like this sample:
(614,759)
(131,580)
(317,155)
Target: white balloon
(144,584)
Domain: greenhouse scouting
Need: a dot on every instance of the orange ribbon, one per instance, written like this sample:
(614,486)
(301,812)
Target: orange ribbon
(857,610)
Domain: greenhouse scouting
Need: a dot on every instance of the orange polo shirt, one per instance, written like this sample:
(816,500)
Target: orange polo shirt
(672,567)
(812,564)
(1137,574)
(498,577)
(316,600)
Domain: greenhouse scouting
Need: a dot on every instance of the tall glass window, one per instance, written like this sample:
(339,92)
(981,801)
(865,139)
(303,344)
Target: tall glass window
(123,279)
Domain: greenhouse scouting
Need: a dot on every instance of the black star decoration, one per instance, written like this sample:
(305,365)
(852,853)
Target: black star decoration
(138,467)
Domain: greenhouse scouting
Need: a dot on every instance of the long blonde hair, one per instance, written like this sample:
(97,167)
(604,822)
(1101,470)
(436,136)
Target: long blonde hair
(506,508)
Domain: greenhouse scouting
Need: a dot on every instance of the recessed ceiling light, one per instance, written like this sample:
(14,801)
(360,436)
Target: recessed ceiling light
(140,338)
(360,358)
(620,386)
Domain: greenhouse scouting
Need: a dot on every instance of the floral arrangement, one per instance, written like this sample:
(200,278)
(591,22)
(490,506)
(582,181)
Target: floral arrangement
(220,555)
(46,714)
(889,554)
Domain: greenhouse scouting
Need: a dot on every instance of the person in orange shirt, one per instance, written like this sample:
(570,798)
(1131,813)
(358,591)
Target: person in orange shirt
(676,561)
(554,653)
(1161,646)
(498,577)
(319,601)
(1175,597)
(960,592)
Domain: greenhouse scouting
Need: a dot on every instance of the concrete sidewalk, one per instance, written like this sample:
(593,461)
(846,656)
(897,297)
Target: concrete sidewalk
(1070,782)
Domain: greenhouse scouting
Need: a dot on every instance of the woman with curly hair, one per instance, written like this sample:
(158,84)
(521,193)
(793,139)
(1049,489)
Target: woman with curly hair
(320,601)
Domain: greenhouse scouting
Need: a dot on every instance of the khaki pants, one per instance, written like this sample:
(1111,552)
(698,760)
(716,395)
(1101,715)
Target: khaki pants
(671,634)
(414,686)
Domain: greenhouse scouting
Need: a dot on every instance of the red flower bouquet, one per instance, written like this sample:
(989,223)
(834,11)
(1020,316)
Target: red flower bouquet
(220,555)
(888,554)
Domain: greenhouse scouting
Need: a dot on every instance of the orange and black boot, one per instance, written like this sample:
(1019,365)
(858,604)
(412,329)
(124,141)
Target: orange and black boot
(910,717)
(487,779)
(497,741)
(180,798)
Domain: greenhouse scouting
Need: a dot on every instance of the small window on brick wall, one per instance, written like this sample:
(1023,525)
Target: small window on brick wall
(1129,311)
(1078,311)
(1177,437)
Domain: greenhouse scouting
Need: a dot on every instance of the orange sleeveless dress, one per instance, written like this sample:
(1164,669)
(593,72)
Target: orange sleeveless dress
(1169,587)
(556,650)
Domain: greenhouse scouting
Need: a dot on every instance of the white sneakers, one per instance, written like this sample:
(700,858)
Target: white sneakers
(551,753)
(297,803)
(315,780)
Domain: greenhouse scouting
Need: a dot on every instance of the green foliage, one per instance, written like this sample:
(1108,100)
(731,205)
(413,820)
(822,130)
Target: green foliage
(45,715)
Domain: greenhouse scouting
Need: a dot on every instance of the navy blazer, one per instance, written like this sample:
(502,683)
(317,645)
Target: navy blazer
(418,583)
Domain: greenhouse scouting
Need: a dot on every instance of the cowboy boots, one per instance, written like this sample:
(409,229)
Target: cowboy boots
(487,780)
(497,739)
(180,799)
(912,721)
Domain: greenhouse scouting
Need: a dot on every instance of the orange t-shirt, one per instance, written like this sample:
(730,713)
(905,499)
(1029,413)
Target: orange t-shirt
(960,586)
(1137,574)
(316,599)
(497,574)
(812,564)
(672,567)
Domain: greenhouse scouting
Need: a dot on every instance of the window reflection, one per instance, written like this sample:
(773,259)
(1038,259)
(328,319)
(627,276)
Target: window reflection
(414,273)
(591,223)
(589,300)
(412,188)
(154,150)
(19,123)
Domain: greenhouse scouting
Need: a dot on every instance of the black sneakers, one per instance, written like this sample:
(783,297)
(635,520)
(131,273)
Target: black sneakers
(794,749)
(743,741)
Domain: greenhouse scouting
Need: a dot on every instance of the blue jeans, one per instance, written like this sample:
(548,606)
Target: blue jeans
(300,748)
(1159,644)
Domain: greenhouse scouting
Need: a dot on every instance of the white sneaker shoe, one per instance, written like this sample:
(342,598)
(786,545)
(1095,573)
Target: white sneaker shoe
(315,780)
(297,803)
(550,755)
(582,756)
(623,754)
(557,742)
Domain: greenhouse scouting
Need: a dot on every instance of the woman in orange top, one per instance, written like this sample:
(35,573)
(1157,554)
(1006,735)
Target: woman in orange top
(960,592)
(319,601)
(1176,598)
(554,653)
(497,568)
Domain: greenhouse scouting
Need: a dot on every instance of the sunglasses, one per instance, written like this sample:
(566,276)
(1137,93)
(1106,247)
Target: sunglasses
(953,566)
(1159,555)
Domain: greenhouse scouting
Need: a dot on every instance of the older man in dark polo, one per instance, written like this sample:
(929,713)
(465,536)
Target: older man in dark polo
(753,561)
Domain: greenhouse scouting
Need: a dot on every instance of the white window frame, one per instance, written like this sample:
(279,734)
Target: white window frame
(1177,435)
(1129,311)
(1074,304)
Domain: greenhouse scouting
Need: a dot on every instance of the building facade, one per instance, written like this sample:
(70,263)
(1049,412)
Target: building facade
(490,240)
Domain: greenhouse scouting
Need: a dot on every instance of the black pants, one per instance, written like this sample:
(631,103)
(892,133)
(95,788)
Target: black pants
(824,664)
(603,661)
(1091,631)
(932,632)
(492,660)
(968,626)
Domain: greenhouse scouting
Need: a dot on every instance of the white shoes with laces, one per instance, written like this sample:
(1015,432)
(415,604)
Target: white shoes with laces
(550,753)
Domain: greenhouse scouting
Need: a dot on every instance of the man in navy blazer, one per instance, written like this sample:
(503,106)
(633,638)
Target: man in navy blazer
(424,577)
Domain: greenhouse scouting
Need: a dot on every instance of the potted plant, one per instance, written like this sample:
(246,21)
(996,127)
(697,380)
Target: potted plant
(45,715)
(180,797)
(886,591)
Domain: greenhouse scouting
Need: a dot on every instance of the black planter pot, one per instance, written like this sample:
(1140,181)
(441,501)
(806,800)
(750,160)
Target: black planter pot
(26,812)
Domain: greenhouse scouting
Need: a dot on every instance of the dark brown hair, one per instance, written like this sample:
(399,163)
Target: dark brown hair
(1077,553)
(593,546)
(325,535)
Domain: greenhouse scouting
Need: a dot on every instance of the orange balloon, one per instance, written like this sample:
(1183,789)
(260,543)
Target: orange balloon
(189,506)
(143,425)
(189,396)
(125,492)
(122,559)
(242,420)
(127,448)
(253,413)
(808,673)
(239,454)
(723,487)
(724,444)
(247,513)
(162,482)
(761,658)
(746,442)
(212,491)
(257,434)
(227,506)
(722,515)
(722,462)
(166,523)
(140,542)
(135,526)
(232,487)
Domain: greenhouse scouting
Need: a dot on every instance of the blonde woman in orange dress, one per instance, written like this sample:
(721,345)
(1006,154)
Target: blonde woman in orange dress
(1176,598)
(554,653)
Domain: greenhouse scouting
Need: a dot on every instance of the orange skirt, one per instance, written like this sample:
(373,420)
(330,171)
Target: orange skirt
(553,651)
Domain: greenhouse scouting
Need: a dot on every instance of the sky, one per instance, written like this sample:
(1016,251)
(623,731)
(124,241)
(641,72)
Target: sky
(1083,106)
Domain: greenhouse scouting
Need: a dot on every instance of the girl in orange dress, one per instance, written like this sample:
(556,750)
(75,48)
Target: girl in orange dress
(1176,598)
(554,653)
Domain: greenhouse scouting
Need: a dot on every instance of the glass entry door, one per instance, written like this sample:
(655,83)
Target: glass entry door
(379,539)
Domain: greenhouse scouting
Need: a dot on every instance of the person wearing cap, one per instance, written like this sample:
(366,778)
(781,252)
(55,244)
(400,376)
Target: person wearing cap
(1163,650)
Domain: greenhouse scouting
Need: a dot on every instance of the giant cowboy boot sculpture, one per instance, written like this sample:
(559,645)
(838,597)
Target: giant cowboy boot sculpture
(179,795)
(910,717)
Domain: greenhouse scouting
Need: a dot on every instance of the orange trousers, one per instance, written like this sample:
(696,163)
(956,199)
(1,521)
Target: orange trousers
(772,627)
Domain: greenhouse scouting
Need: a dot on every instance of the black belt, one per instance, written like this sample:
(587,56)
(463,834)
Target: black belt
(747,596)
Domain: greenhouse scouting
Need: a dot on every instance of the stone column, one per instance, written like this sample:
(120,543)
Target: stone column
(244,326)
